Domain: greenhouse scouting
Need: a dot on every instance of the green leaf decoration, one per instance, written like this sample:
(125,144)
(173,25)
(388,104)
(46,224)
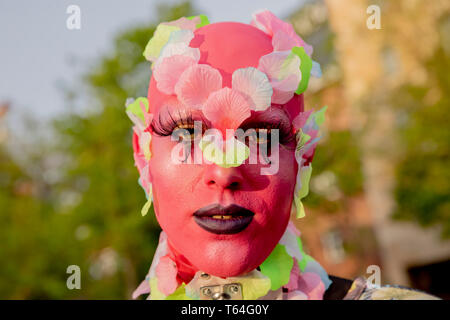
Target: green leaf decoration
(136,109)
(203,20)
(277,267)
(305,68)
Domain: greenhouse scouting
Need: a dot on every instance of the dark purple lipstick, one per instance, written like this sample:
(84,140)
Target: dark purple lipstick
(223,220)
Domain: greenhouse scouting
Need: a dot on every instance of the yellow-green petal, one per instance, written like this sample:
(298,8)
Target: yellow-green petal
(135,107)
(236,153)
(305,68)
(179,294)
(305,176)
(210,151)
(277,267)
(300,210)
(158,41)
(302,138)
(146,206)
(146,140)
(155,294)
(254,286)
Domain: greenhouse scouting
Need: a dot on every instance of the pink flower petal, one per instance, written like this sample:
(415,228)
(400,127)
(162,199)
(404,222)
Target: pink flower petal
(310,152)
(178,44)
(196,83)
(184,23)
(143,288)
(271,25)
(178,48)
(283,70)
(272,63)
(300,120)
(294,278)
(166,272)
(226,109)
(293,229)
(283,90)
(281,41)
(145,176)
(255,85)
(169,70)
(297,295)
(280,65)
(313,134)
(311,284)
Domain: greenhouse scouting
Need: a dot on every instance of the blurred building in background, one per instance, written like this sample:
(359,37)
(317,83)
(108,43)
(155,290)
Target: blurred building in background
(363,70)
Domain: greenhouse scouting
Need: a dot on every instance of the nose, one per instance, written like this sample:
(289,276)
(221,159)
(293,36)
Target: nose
(223,178)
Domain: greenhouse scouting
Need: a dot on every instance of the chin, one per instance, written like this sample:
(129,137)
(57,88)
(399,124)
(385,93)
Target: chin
(231,257)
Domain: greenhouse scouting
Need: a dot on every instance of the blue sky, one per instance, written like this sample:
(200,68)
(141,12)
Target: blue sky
(38,53)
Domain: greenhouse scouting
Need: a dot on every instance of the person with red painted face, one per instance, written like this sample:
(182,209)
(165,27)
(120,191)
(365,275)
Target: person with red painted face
(224,146)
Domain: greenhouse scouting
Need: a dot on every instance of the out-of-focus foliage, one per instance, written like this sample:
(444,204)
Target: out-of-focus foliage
(337,168)
(23,220)
(423,172)
(91,214)
(337,171)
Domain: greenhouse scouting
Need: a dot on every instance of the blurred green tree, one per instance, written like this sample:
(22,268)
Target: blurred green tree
(337,173)
(31,233)
(90,215)
(113,243)
(423,173)
(21,210)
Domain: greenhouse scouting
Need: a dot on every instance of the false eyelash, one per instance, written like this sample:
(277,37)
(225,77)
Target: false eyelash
(165,128)
(286,134)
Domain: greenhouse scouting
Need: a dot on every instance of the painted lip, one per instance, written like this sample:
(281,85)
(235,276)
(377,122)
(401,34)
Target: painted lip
(223,220)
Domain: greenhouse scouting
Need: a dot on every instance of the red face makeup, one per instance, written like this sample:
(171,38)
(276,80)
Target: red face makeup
(222,220)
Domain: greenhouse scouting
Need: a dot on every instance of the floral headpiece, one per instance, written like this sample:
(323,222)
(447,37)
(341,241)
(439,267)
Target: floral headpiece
(279,75)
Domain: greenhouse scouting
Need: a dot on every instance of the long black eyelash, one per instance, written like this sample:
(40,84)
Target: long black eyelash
(165,128)
(286,134)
